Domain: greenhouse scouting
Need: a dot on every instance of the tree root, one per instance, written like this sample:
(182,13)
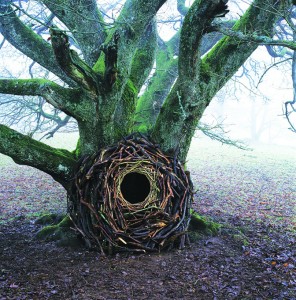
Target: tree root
(58,229)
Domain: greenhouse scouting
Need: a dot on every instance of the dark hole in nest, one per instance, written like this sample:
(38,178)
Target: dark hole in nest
(135,187)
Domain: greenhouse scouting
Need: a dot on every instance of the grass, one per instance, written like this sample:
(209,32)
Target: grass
(254,185)
(5,160)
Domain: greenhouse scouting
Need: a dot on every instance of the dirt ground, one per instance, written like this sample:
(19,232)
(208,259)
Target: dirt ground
(252,257)
(218,267)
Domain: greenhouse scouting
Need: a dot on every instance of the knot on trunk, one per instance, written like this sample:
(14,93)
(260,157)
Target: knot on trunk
(131,196)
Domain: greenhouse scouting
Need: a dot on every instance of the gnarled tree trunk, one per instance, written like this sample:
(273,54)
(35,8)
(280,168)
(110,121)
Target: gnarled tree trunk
(101,91)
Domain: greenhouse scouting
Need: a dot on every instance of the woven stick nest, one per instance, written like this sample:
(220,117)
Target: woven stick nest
(132,196)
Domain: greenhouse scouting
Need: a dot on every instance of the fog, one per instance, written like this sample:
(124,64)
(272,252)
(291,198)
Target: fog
(249,108)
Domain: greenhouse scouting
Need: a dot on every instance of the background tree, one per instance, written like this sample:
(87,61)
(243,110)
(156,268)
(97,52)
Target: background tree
(101,68)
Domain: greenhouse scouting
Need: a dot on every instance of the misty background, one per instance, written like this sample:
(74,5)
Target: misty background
(250,108)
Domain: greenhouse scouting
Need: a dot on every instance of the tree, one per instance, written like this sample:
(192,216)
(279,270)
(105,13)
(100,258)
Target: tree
(101,69)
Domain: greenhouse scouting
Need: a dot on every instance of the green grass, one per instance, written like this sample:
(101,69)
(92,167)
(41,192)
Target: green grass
(207,151)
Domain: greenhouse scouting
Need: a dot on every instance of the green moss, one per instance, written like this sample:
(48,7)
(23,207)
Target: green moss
(60,233)
(99,66)
(25,150)
(77,151)
(143,128)
(205,71)
(203,224)
(65,222)
(49,219)
(125,111)
(149,103)
(241,238)
(142,65)
(246,21)
(200,226)
(49,233)
(24,141)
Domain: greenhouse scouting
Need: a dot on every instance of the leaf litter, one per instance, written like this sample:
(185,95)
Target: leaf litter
(252,257)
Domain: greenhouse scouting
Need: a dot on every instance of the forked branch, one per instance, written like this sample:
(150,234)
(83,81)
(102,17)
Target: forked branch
(27,41)
(71,63)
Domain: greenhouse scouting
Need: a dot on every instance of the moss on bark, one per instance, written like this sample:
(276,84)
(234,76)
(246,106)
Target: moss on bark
(62,233)
(204,224)
(59,163)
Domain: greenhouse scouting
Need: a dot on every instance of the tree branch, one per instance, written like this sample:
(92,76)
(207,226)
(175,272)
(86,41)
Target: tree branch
(29,43)
(182,8)
(196,24)
(145,56)
(270,67)
(85,22)
(217,132)
(199,80)
(71,63)
(221,63)
(292,104)
(117,58)
(176,123)
(121,44)
(67,100)
(257,39)
(24,150)
(165,75)
(60,123)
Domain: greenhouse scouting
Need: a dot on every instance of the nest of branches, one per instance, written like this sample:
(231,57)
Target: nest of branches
(131,196)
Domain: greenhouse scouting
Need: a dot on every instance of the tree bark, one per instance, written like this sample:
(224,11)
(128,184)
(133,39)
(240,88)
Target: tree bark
(58,163)
(105,79)
(200,79)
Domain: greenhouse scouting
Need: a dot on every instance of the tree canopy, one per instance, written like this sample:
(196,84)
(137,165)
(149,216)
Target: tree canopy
(115,75)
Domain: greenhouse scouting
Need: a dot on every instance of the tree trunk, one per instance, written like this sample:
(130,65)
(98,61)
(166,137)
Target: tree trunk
(127,191)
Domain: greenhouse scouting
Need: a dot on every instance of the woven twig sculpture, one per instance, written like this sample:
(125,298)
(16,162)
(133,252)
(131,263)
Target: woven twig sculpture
(132,196)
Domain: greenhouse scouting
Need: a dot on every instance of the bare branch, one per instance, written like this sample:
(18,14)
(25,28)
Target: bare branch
(60,124)
(61,98)
(217,132)
(27,41)
(287,113)
(270,67)
(257,39)
(292,104)
(85,22)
